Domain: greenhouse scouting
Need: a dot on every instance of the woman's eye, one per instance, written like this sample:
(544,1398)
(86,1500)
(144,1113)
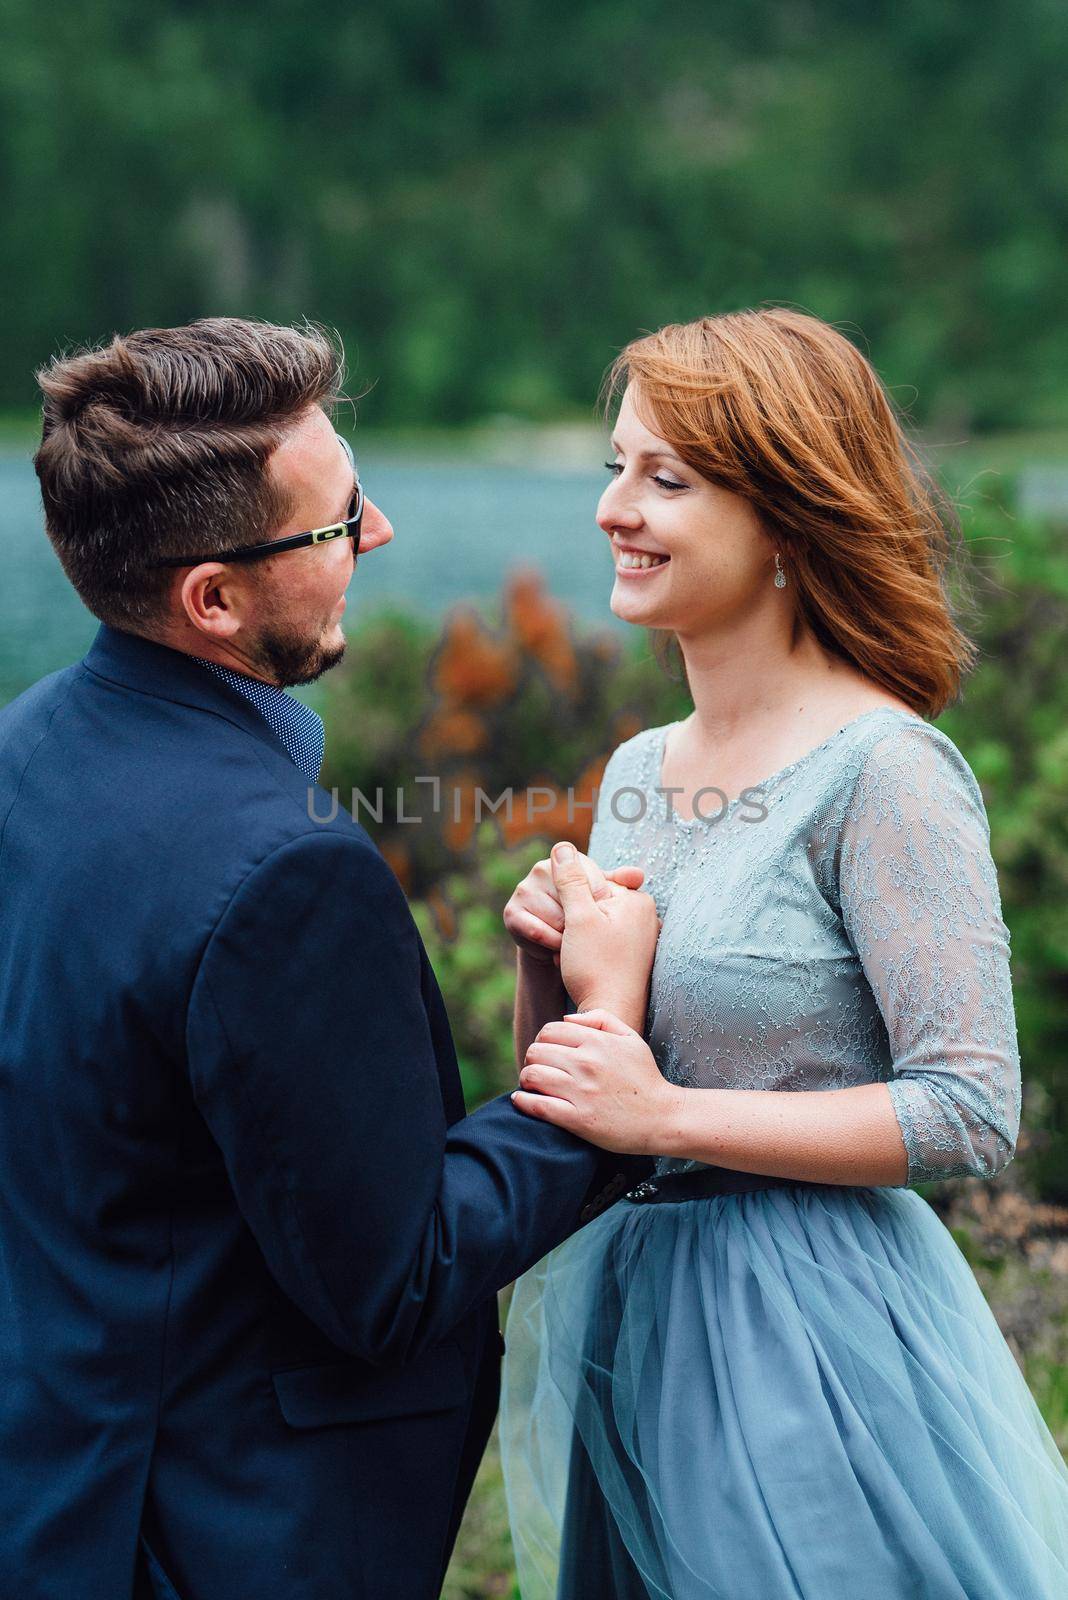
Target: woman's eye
(616,467)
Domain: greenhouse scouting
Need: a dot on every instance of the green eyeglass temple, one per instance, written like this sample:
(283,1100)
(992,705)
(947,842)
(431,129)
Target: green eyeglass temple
(348,528)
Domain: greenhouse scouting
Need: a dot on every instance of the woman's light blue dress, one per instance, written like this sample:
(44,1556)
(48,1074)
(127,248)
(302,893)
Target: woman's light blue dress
(797,1393)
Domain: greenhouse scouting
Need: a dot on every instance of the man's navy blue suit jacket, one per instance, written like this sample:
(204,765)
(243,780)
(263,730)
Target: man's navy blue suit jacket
(249,1240)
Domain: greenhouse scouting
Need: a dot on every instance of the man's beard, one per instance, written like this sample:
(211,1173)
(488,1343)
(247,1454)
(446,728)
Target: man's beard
(290,659)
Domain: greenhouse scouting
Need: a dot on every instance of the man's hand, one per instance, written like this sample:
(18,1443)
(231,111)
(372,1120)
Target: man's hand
(597,1078)
(608,944)
(534,916)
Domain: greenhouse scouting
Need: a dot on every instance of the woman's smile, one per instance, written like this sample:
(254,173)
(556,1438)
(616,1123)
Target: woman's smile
(633,562)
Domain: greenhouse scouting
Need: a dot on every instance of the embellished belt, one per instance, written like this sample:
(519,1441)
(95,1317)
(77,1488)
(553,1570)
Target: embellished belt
(704,1182)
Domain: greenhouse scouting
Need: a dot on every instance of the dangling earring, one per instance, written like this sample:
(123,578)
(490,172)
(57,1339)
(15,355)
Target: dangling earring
(780,576)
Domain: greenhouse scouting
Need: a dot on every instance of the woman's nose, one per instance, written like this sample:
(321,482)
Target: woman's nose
(376,528)
(616,509)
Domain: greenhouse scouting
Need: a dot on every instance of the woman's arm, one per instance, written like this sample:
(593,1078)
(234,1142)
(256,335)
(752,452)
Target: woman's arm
(823,1135)
(919,900)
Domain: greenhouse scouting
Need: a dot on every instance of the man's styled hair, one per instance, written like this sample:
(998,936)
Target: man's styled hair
(157,444)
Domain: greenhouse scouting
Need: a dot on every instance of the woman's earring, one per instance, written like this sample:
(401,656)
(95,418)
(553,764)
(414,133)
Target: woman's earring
(780,576)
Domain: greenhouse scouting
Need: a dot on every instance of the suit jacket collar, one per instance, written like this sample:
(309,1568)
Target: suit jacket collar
(156,669)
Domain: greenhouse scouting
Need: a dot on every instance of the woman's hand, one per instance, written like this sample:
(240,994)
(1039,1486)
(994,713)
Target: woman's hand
(608,945)
(597,1078)
(534,915)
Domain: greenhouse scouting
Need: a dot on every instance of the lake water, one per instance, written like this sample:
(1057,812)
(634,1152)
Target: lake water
(460,528)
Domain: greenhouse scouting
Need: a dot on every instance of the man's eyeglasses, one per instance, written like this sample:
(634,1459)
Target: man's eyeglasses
(348,528)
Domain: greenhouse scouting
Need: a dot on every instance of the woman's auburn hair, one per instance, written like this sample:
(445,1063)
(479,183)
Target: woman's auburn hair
(781,409)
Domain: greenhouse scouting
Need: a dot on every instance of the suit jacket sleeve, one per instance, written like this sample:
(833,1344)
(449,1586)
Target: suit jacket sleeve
(312,1060)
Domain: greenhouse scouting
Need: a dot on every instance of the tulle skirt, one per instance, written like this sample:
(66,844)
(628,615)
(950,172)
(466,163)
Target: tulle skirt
(797,1393)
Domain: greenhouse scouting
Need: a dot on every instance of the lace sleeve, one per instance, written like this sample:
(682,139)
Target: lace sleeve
(920,903)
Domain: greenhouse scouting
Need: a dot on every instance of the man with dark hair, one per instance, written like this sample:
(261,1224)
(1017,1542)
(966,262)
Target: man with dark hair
(249,1240)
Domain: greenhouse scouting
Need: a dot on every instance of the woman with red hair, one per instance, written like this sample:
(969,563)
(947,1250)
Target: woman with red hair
(769,1373)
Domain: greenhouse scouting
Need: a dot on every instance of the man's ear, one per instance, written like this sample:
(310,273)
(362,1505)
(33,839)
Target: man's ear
(215,600)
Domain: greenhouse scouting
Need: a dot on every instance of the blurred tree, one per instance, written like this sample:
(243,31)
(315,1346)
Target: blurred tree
(489,198)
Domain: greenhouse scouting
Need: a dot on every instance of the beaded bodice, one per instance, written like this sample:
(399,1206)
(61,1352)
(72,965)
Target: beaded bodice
(840,924)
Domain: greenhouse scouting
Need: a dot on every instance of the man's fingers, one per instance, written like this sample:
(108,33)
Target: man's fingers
(535,930)
(544,906)
(598,882)
(570,880)
(605,1020)
(629,877)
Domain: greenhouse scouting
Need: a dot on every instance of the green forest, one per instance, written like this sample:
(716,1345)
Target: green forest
(488,198)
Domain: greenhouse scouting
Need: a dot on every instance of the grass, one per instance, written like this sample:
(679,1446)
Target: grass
(481,1567)
(1047,1378)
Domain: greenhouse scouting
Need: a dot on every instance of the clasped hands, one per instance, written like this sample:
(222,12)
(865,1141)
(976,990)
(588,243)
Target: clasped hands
(591,1073)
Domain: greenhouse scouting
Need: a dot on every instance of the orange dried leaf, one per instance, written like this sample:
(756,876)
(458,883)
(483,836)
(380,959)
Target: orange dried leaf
(473,668)
(453,733)
(540,626)
(398,857)
(443,914)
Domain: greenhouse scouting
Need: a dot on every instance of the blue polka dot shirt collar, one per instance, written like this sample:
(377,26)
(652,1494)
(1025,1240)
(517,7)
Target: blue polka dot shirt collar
(299,728)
